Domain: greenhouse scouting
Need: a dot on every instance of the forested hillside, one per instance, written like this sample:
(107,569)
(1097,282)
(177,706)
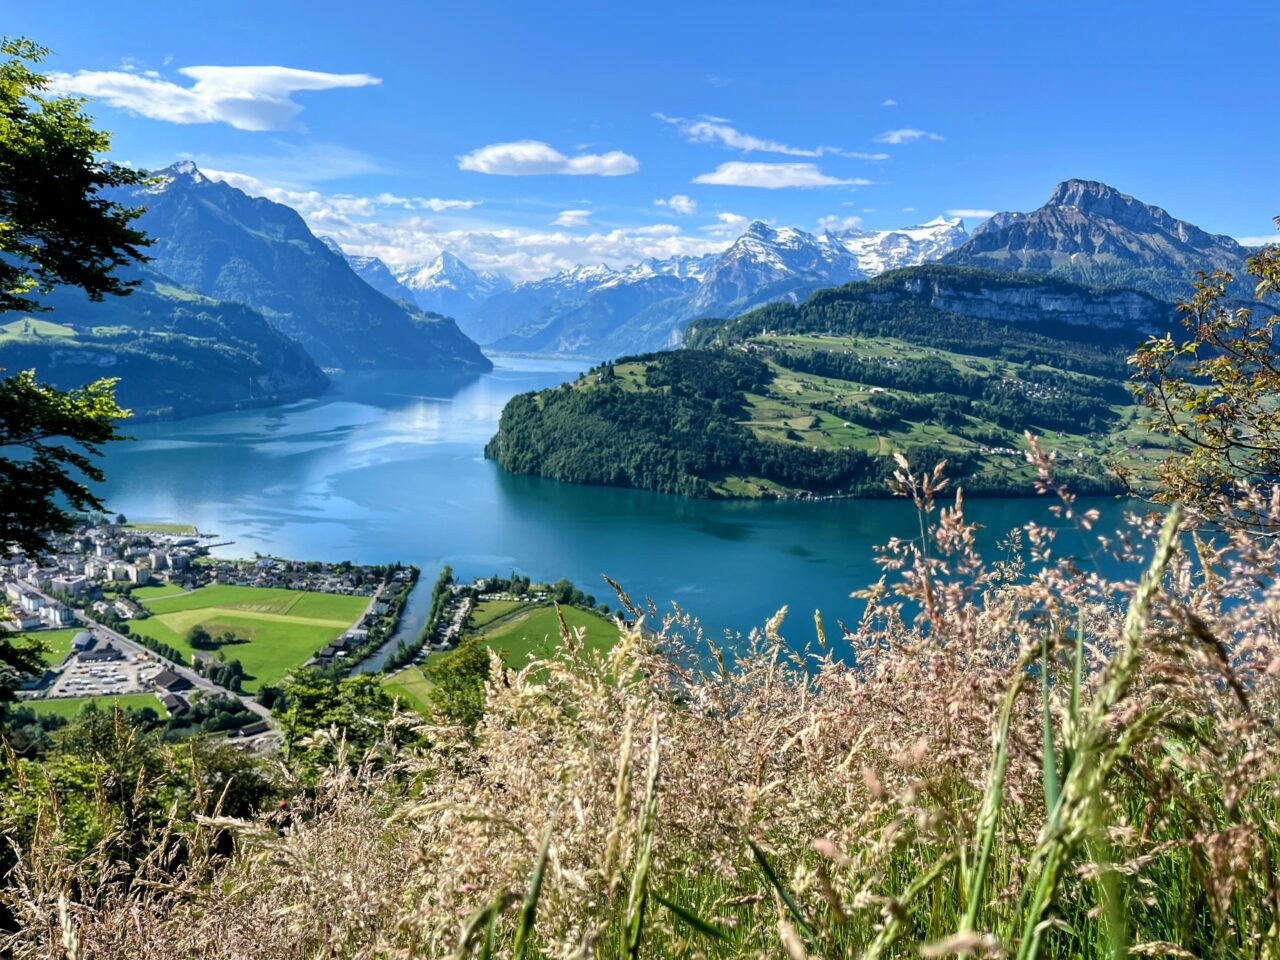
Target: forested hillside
(812,399)
(177,354)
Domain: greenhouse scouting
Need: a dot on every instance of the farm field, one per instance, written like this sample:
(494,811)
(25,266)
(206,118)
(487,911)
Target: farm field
(279,628)
(71,706)
(31,327)
(58,643)
(537,632)
(410,686)
(161,527)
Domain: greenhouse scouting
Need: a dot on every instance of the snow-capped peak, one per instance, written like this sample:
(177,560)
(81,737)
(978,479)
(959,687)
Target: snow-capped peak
(881,250)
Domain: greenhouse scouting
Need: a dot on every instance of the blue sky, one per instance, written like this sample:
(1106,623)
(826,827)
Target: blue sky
(530,136)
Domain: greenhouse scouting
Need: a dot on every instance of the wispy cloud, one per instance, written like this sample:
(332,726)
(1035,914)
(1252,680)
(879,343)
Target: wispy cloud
(247,98)
(971,213)
(773,176)
(572,218)
(889,103)
(679,203)
(720,132)
(1259,241)
(523,158)
(906,135)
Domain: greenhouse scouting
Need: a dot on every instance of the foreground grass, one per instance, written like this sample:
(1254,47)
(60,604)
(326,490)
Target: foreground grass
(1038,766)
(281,628)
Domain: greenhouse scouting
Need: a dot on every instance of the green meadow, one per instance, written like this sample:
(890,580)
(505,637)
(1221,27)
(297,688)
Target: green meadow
(279,629)
(410,686)
(57,643)
(534,630)
(70,707)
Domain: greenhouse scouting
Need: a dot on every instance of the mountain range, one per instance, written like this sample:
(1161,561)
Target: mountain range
(1087,231)
(600,311)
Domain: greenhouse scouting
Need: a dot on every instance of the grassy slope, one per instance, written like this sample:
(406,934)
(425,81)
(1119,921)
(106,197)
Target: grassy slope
(283,627)
(787,414)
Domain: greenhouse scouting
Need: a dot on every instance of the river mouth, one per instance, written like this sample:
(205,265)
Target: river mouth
(389,467)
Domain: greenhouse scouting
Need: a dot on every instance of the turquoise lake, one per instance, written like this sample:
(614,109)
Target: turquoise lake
(390,467)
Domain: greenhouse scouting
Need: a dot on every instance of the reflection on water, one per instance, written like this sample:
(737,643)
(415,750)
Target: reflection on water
(390,467)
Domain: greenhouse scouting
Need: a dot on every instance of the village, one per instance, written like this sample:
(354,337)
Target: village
(90,599)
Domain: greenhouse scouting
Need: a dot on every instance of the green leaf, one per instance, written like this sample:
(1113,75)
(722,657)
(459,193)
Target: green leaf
(767,869)
(704,927)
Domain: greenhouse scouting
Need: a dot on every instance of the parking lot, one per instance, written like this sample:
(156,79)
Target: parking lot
(104,678)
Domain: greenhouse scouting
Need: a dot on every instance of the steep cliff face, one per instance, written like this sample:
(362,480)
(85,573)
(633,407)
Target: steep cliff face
(938,297)
(1028,303)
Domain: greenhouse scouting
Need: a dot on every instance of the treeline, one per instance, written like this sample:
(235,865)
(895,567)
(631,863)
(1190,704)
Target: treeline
(681,436)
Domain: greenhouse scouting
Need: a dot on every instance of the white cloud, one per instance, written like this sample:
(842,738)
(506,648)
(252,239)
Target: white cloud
(522,158)
(326,208)
(908,209)
(1258,241)
(889,103)
(679,203)
(247,98)
(773,176)
(572,218)
(834,223)
(971,213)
(907,135)
(382,226)
(855,155)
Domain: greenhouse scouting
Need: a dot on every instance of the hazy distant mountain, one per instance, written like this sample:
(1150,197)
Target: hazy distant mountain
(177,353)
(1093,233)
(373,272)
(596,310)
(210,237)
(447,285)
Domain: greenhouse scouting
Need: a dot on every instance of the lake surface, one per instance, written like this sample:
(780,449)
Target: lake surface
(390,467)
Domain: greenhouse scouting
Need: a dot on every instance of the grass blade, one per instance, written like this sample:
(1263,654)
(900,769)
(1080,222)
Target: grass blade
(767,869)
(529,913)
(1050,759)
(704,927)
(638,899)
(992,800)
